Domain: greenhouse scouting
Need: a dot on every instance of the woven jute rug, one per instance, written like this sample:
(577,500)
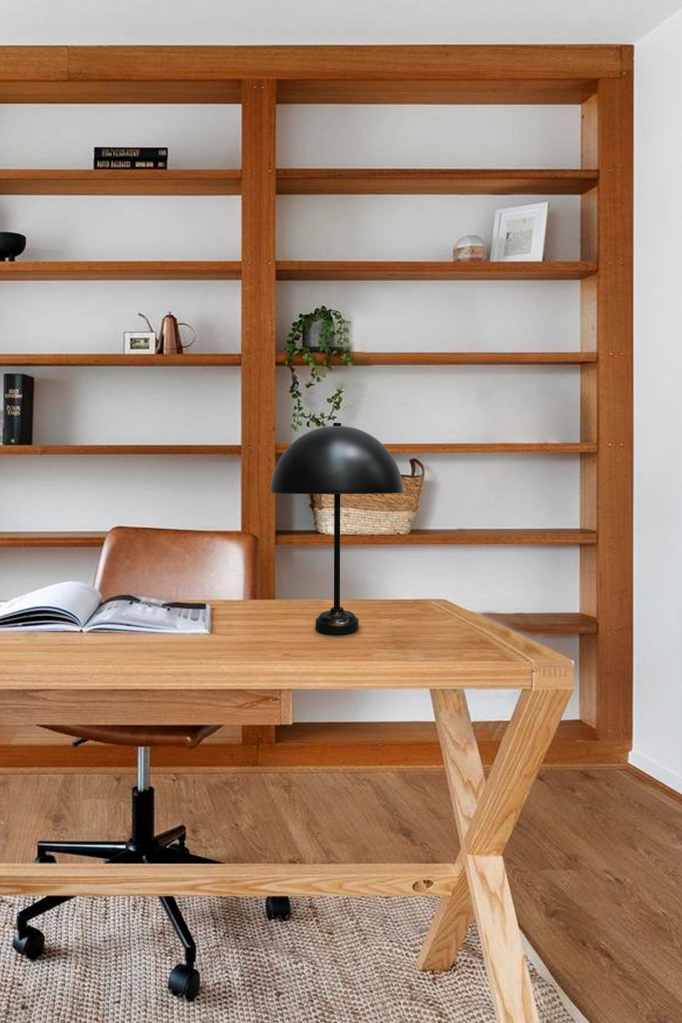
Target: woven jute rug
(335,961)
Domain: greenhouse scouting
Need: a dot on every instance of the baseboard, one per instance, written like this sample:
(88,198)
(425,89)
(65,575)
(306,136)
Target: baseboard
(334,745)
(649,768)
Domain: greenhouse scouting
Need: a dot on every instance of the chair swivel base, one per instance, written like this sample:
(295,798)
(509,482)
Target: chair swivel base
(143,847)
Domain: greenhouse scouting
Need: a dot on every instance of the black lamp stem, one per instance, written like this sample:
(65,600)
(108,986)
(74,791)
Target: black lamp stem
(337,552)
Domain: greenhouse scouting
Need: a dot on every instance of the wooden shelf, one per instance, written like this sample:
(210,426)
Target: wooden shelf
(371,181)
(515,91)
(120,270)
(462,358)
(437,448)
(407,270)
(303,181)
(67,539)
(472,537)
(292,270)
(120,182)
(96,359)
(15,450)
(547,623)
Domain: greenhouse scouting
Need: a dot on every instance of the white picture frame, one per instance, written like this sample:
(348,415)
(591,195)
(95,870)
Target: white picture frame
(519,233)
(139,342)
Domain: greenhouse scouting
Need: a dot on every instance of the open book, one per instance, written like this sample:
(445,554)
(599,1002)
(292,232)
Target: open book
(77,607)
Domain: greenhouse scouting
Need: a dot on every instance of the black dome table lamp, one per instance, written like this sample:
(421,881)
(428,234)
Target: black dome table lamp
(337,460)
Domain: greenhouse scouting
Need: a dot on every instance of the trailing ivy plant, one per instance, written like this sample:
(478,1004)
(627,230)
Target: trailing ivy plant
(333,343)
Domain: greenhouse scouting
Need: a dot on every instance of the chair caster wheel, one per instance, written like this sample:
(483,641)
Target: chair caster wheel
(184,982)
(278,907)
(30,944)
(45,858)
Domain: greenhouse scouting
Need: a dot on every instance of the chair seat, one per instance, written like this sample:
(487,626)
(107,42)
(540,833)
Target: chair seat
(139,735)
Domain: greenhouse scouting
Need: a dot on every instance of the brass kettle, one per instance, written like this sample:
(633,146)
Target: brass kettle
(168,339)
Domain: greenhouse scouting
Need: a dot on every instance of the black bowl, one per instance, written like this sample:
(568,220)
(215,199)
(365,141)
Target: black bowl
(11,245)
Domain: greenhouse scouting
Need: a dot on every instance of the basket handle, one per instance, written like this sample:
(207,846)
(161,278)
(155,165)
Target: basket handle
(416,464)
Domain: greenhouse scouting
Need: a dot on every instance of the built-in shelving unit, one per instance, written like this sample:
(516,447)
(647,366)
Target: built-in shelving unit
(598,78)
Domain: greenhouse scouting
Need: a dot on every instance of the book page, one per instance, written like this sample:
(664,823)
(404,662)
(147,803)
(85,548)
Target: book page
(145,614)
(76,602)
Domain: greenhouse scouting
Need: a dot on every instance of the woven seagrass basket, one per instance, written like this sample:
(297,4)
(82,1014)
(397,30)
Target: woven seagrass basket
(373,513)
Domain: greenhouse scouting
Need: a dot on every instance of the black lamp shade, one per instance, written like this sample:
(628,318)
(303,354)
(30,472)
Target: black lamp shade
(337,460)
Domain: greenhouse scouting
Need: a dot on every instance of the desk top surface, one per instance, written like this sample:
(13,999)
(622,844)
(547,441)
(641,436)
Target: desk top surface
(272,644)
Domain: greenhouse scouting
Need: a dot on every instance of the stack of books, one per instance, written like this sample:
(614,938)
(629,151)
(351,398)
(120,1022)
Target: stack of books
(131,158)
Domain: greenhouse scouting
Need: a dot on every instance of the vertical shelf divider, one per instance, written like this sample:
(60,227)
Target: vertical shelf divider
(259,182)
(606,410)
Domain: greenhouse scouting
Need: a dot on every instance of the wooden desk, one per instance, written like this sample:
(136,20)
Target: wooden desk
(244,672)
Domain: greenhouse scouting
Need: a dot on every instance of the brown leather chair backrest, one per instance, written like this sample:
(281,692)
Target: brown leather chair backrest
(177,564)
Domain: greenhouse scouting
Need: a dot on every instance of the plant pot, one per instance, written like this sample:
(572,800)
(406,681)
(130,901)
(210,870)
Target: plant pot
(11,245)
(312,331)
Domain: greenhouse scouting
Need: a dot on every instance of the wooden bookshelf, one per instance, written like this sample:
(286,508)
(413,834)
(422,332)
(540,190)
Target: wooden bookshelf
(406,270)
(292,181)
(438,448)
(112,359)
(17,450)
(459,537)
(463,358)
(547,623)
(55,539)
(120,270)
(120,182)
(343,181)
(599,80)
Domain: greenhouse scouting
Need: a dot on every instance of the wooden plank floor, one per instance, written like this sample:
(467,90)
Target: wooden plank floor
(595,864)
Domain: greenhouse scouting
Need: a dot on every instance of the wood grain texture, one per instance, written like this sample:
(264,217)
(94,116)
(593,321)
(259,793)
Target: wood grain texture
(371,181)
(227,879)
(594,863)
(406,270)
(522,751)
(466,782)
(469,537)
(448,929)
(378,63)
(606,413)
(143,92)
(546,622)
(16,450)
(465,358)
(119,182)
(475,91)
(71,538)
(272,644)
(258,395)
(498,928)
(120,270)
(503,448)
(115,359)
(142,705)
(33,63)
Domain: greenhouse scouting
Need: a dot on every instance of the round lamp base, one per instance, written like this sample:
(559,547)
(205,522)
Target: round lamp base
(337,622)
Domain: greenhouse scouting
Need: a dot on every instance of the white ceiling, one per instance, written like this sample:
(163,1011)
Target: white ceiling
(94,22)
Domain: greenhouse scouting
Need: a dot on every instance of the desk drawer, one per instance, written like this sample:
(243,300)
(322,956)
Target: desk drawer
(146,707)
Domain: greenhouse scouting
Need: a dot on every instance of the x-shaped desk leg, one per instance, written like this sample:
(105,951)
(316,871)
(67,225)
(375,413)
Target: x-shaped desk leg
(486,813)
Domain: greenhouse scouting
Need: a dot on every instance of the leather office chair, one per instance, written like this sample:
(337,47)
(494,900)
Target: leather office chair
(174,565)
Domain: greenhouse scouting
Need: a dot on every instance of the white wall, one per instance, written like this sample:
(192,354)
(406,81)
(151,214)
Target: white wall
(658,380)
(193,405)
